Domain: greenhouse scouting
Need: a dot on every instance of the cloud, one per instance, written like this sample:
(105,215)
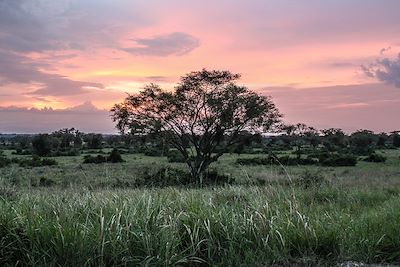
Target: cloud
(385,70)
(85,117)
(176,43)
(341,64)
(85,107)
(350,107)
(20,69)
(384,50)
(47,25)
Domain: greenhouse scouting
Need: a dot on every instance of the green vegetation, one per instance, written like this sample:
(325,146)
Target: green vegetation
(128,213)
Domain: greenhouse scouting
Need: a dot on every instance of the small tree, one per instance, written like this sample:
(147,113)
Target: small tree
(333,138)
(94,141)
(301,134)
(395,138)
(206,110)
(363,141)
(42,144)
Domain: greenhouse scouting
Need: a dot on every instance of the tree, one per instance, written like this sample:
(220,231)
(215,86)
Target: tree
(300,134)
(395,138)
(334,138)
(94,141)
(206,110)
(42,144)
(363,141)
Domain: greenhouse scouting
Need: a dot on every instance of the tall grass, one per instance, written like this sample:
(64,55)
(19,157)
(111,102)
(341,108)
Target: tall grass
(229,226)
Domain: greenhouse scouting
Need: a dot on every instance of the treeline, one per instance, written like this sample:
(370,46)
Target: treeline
(299,139)
(64,142)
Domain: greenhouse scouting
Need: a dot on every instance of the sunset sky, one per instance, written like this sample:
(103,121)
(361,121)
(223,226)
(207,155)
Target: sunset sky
(326,63)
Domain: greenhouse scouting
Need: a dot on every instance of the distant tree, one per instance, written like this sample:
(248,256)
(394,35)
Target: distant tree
(333,138)
(382,138)
(93,141)
(396,138)
(42,144)
(363,141)
(206,110)
(23,141)
(78,139)
(245,142)
(299,135)
(65,136)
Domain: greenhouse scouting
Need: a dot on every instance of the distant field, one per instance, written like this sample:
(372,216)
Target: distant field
(85,214)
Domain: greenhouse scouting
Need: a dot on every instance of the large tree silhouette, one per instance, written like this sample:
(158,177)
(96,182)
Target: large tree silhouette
(202,117)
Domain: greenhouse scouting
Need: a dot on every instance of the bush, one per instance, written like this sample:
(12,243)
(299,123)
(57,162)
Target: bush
(311,179)
(284,160)
(42,144)
(175,156)
(337,160)
(168,176)
(152,152)
(4,162)
(36,162)
(375,158)
(115,156)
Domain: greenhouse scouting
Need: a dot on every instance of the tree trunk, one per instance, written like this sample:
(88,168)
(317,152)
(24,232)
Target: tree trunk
(197,170)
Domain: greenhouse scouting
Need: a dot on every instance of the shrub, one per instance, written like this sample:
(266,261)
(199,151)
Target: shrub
(337,160)
(42,144)
(311,179)
(4,161)
(284,160)
(36,162)
(152,152)
(168,176)
(46,182)
(175,156)
(375,158)
(115,156)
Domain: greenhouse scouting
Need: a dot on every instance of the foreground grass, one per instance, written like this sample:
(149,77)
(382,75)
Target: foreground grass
(228,226)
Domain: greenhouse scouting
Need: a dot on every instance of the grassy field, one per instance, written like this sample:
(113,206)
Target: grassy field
(78,214)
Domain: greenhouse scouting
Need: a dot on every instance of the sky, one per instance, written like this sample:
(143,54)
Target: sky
(326,63)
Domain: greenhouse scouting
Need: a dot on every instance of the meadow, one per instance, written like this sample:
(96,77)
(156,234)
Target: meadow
(75,214)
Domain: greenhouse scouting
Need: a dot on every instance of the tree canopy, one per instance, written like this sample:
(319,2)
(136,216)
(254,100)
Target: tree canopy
(206,110)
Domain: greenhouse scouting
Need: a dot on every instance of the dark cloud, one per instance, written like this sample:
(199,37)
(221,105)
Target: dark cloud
(157,78)
(177,43)
(85,117)
(385,70)
(384,50)
(46,25)
(341,64)
(20,69)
